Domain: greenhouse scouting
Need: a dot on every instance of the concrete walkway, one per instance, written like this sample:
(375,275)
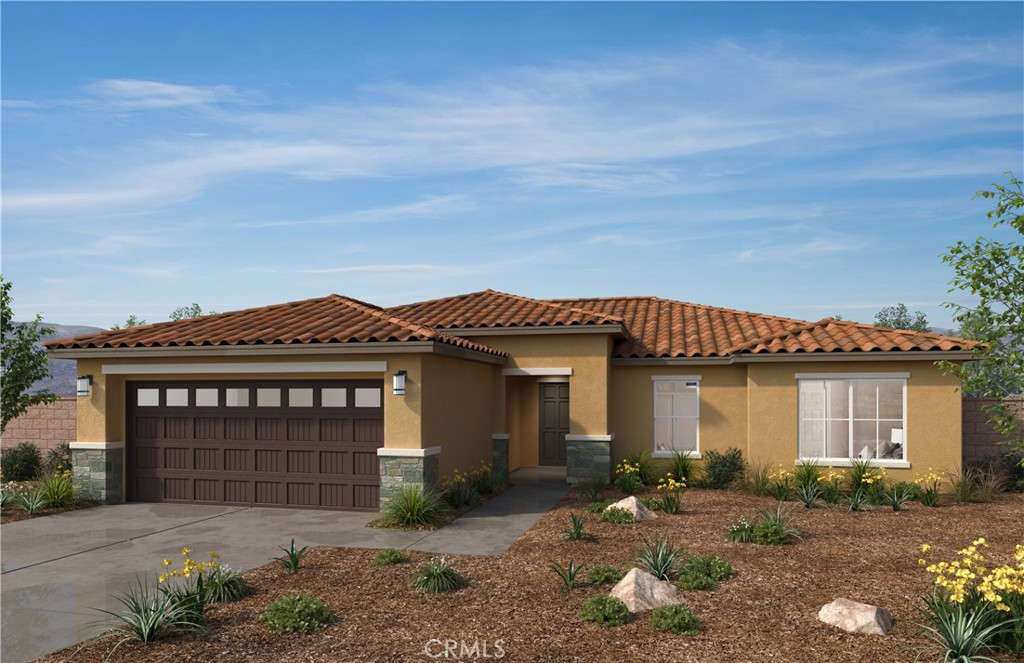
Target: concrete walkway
(56,569)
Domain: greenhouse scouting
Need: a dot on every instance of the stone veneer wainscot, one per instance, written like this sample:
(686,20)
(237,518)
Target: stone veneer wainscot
(588,458)
(403,468)
(98,470)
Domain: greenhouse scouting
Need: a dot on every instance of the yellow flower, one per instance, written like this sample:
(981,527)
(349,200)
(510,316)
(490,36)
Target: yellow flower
(186,551)
(925,547)
(921,562)
(162,578)
(166,562)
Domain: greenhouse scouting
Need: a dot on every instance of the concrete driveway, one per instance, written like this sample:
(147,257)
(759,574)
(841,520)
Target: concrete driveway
(56,569)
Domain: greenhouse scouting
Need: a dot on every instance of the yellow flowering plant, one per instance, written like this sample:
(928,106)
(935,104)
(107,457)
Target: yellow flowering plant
(779,481)
(831,483)
(628,479)
(927,486)
(966,586)
(670,490)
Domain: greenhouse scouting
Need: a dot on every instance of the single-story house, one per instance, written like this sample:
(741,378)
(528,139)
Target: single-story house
(337,403)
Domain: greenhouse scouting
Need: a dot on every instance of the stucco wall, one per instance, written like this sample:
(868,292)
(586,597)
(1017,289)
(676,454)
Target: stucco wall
(46,425)
(933,412)
(723,406)
(458,399)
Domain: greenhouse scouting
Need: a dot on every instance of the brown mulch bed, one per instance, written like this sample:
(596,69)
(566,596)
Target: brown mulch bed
(766,613)
(13,515)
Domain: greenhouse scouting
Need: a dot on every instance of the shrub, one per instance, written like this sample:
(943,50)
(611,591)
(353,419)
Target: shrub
(644,465)
(742,531)
(58,459)
(415,508)
(722,470)
(222,584)
(20,463)
(807,473)
(927,488)
(594,489)
(292,557)
(484,480)
(670,491)
(712,566)
(57,490)
(692,580)
(32,501)
(898,496)
(435,576)
(808,494)
(149,615)
(871,480)
(567,575)
(189,598)
(575,531)
(460,490)
(779,483)
(628,480)
(604,574)
(652,503)
(389,557)
(831,486)
(1013,469)
(297,613)
(975,484)
(676,619)
(605,610)
(617,516)
(682,466)
(773,528)
(659,559)
(956,632)
(856,499)
(598,507)
(757,479)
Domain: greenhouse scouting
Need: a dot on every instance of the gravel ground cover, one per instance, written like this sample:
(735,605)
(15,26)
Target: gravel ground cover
(766,613)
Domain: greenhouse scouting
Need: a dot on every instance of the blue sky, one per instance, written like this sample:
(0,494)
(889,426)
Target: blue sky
(797,159)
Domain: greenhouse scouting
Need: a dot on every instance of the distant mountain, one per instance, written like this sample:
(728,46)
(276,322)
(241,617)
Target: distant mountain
(62,371)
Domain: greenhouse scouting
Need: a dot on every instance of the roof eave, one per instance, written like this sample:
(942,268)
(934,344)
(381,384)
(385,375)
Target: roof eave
(784,357)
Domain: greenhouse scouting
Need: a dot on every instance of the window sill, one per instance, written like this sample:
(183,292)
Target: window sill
(890,463)
(695,455)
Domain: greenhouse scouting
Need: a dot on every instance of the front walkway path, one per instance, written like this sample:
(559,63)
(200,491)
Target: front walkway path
(58,567)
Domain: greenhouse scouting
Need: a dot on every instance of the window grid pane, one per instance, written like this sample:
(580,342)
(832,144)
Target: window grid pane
(676,415)
(875,430)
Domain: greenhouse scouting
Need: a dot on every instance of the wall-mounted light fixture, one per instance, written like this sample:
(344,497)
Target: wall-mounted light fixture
(84,382)
(398,383)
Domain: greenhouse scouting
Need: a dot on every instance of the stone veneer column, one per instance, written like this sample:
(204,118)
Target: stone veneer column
(588,458)
(98,470)
(402,468)
(499,455)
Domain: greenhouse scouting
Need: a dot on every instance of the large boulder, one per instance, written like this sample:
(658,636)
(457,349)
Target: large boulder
(641,591)
(635,507)
(855,617)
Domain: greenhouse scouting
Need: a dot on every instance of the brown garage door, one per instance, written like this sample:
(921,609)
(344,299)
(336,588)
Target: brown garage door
(268,443)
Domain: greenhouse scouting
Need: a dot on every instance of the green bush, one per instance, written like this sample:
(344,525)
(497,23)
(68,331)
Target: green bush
(712,566)
(605,610)
(617,516)
(567,574)
(676,619)
(32,501)
(629,483)
(644,465)
(57,490)
(461,491)
(149,615)
(297,613)
(58,459)
(1013,471)
(807,473)
(769,528)
(693,580)
(414,507)
(222,584)
(389,557)
(681,466)
(604,574)
(598,507)
(21,462)
(435,576)
(575,531)
(742,531)
(659,559)
(757,479)
(722,470)
(594,489)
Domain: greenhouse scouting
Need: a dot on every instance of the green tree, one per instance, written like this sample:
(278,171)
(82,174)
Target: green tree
(993,272)
(132,321)
(24,361)
(900,317)
(185,312)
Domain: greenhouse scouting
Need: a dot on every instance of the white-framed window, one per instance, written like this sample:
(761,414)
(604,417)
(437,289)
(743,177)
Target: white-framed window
(855,416)
(676,414)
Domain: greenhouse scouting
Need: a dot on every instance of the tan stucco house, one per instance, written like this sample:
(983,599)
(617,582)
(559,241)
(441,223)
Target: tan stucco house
(336,403)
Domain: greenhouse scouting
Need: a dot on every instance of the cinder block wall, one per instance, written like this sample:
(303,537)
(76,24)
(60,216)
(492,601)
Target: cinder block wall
(980,441)
(45,426)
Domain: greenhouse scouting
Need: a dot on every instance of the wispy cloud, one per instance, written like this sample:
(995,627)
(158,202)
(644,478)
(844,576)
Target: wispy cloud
(818,247)
(436,207)
(398,268)
(133,94)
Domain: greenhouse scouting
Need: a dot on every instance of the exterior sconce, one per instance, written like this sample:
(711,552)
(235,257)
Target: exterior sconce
(398,383)
(84,382)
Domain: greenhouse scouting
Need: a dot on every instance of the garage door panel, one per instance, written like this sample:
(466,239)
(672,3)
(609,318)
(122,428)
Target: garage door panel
(305,444)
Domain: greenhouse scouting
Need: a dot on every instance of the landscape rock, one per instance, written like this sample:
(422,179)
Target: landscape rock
(855,617)
(641,591)
(635,507)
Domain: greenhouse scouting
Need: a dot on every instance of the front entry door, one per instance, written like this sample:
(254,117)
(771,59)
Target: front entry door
(554,422)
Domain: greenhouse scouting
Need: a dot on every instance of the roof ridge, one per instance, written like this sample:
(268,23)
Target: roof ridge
(695,304)
(866,325)
(441,299)
(792,331)
(550,303)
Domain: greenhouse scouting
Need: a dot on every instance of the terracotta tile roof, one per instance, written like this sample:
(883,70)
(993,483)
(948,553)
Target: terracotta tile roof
(331,319)
(666,328)
(489,308)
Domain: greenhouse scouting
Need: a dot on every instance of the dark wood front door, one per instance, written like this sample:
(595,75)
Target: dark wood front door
(554,422)
(268,443)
